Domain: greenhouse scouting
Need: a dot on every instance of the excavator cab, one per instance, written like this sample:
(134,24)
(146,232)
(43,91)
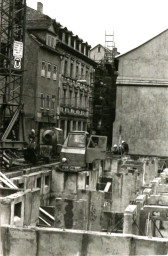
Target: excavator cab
(79,150)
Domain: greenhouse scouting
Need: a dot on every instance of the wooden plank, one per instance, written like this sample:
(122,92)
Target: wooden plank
(47,214)
(5,182)
(107,187)
(8,180)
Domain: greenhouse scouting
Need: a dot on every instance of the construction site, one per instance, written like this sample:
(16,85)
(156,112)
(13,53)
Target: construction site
(73,196)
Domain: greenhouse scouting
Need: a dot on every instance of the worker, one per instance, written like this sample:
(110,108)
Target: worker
(121,149)
(115,149)
(125,147)
(32,135)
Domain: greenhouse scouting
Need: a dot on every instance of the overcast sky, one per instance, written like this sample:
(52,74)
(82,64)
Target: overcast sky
(133,21)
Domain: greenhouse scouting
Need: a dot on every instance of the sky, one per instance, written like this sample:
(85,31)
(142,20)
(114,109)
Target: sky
(132,22)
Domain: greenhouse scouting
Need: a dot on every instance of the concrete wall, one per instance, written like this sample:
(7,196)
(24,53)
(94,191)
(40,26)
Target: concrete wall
(26,215)
(31,182)
(47,241)
(142,90)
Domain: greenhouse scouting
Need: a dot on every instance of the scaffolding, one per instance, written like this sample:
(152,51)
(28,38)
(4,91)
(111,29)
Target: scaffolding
(109,48)
(12,32)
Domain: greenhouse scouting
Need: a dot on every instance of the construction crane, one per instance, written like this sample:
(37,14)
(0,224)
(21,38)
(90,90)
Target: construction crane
(12,33)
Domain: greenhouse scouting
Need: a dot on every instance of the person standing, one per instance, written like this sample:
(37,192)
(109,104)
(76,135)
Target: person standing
(125,147)
(115,149)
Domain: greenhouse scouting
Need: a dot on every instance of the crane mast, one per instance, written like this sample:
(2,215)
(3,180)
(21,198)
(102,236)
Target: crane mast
(12,34)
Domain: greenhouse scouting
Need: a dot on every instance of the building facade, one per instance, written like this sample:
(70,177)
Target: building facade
(42,68)
(99,53)
(104,103)
(76,83)
(60,75)
(142,93)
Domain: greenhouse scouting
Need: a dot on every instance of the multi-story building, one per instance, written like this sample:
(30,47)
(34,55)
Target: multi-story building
(42,68)
(59,77)
(76,82)
(142,93)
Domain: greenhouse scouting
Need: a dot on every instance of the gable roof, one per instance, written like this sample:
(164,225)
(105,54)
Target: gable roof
(121,55)
(39,21)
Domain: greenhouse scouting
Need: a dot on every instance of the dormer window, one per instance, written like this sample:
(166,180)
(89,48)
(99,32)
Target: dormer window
(66,38)
(51,41)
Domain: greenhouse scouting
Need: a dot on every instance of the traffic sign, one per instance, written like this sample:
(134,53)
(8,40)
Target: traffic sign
(17,63)
(18,49)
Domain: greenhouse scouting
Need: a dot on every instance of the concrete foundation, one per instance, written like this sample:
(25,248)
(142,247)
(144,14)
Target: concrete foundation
(47,241)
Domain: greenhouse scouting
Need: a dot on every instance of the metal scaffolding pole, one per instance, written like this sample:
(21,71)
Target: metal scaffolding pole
(12,33)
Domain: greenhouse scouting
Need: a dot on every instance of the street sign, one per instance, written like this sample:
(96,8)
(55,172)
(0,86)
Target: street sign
(17,63)
(18,49)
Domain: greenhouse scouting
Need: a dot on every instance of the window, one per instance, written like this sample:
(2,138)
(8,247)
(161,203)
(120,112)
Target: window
(81,103)
(17,210)
(97,142)
(71,70)
(86,75)
(87,51)
(85,101)
(48,40)
(43,68)
(82,48)
(77,45)
(49,70)
(66,38)
(77,71)
(72,41)
(64,96)
(55,73)
(99,48)
(47,102)
(65,67)
(51,41)
(41,100)
(21,185)
(53,102)
(38,184)
(77,140)
(47,180)
(70,97)
(76,101)
(81,73)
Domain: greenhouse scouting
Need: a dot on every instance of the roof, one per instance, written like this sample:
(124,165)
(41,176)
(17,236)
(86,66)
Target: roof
(39,21)
(100,45)
(43,44)
(121,55)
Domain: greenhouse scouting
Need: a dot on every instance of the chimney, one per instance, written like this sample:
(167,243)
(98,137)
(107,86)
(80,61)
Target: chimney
(40,7)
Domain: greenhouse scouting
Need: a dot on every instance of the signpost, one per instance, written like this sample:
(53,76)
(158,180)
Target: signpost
(18,49)
(17,63)
(18,54)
